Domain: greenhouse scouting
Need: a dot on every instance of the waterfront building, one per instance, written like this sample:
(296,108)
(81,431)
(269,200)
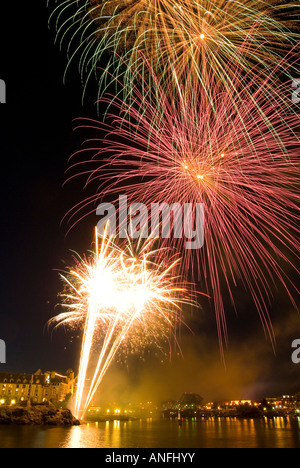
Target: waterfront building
(37,388)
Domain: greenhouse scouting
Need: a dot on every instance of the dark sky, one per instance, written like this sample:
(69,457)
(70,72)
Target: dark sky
(36,140)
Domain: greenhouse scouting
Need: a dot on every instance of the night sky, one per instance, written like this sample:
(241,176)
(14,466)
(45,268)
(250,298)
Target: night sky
(36,140)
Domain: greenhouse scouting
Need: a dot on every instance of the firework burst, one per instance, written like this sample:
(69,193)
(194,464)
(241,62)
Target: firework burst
(239,158)
(177,37)
(119,298)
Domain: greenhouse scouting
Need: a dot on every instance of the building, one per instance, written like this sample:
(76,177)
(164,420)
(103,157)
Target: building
(288,403)
(36,388)
(59,386)
(21,387)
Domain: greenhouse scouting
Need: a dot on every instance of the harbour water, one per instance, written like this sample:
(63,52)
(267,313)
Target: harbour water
(209,433)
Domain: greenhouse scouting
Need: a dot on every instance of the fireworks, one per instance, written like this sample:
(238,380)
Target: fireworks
(117,297)
(205,119)
(177,38)
(240,159)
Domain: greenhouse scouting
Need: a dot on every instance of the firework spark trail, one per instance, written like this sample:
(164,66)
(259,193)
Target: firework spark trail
(116,294)
(239,158)
(235,153)
(139,277)
(177,37)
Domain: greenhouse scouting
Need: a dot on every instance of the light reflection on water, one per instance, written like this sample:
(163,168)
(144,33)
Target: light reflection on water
(211,433)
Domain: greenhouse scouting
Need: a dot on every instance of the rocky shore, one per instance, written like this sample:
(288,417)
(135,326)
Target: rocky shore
(41,415)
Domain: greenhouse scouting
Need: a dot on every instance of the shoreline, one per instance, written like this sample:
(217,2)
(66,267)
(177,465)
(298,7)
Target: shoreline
(37,415)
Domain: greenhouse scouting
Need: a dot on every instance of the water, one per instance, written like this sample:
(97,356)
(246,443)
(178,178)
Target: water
(214,433)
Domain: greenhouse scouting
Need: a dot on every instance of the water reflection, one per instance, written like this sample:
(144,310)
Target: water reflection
(196,433)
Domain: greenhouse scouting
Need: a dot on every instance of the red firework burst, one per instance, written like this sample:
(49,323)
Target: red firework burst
(238,158)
